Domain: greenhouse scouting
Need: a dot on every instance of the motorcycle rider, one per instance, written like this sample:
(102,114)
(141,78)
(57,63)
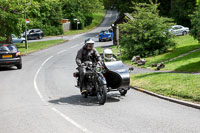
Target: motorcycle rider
(86,53)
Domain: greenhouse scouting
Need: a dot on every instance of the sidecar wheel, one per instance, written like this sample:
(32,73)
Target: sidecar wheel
(102,95)
(122,92)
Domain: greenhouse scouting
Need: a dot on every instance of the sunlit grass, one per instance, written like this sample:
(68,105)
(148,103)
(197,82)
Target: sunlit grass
(182,86)
(35,46)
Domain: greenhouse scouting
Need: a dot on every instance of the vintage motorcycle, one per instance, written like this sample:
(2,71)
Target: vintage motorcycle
(95,82)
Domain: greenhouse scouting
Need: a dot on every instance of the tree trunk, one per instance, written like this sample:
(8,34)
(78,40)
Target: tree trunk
(171,4)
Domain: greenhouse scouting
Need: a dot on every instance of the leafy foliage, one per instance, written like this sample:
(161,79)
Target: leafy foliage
(147,34)
(80,9)
(10,19)
(43,14)
(195,30)
(180,11)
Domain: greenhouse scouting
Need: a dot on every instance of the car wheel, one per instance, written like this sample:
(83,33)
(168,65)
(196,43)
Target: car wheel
(22,41)
(99,40)
(19,66)
(39,37)
(184,33)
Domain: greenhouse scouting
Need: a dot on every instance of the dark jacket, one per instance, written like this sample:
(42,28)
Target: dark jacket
(87,55)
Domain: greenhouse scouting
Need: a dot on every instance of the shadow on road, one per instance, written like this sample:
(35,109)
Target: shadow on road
(7,68)
(90,101)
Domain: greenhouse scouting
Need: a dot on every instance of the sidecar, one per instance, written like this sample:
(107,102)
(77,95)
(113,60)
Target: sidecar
(117,77)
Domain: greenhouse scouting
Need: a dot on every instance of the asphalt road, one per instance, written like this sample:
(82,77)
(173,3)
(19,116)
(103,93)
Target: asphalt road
(41,98)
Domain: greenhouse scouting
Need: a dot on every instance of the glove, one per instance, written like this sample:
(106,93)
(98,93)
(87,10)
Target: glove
(82,64)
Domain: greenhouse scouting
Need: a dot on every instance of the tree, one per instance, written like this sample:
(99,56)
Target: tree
(195,23)
(11,19)
(46,15)
(147,34)
(181,10)
(81,10)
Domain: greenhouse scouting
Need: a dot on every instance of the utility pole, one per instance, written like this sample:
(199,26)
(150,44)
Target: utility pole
(26,43)
(117,36)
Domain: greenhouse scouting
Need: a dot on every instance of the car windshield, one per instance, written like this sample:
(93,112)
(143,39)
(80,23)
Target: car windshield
(105,31)
(8,48)
(13,36)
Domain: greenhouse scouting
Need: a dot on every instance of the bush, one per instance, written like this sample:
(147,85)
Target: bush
(147,34)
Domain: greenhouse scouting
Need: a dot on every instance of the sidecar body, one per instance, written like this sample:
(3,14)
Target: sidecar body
(117,75)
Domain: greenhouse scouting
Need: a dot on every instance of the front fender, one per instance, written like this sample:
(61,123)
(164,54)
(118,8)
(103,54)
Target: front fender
(102,79)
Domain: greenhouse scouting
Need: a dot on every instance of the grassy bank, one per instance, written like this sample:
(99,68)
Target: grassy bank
(181,86)
(177,85)
(35,46)
(184,45)
(98,18)
(188,63)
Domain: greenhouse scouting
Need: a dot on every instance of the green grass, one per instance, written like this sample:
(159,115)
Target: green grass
(184,45)
(98,18)
(35,46)
(181,86)
(188,63)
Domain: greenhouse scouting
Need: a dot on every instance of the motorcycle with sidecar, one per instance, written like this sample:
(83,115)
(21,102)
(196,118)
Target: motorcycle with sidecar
(100,79)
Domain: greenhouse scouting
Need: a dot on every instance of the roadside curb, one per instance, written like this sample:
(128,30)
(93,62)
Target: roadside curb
(189,104)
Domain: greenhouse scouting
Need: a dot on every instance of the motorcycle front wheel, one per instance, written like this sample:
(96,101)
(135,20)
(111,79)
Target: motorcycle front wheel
(102,95)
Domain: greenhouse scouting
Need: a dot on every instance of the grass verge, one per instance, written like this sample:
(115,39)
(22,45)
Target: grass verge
(184,45)
(188,63)
(35,46)
(181,86)
(98,18)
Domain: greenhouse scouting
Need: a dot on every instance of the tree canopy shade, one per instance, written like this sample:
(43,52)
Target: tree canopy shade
(179,10)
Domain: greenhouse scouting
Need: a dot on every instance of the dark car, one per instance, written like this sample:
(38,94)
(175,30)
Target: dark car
(34,34)
(10,56)
(105,35)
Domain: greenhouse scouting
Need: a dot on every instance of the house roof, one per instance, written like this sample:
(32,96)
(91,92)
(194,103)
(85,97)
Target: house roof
(122,19)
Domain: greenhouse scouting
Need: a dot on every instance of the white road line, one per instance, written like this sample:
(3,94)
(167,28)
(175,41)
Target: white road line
(35,82)
(61,51)
(85,130)
(74,46)
(71,121)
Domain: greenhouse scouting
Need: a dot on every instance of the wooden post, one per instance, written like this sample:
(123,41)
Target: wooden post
(117,36)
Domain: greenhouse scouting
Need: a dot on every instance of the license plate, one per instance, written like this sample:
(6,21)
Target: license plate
(7,56)
(104,37)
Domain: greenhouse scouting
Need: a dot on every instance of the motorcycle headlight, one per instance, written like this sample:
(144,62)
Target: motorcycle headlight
(99,69)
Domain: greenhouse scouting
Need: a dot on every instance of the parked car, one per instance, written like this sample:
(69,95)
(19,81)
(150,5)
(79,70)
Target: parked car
(105,35)
(179,30)
(17,39)
(34,34)
(10,56)
(111,31)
